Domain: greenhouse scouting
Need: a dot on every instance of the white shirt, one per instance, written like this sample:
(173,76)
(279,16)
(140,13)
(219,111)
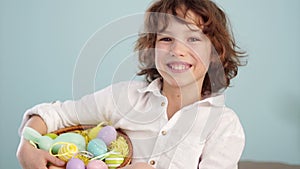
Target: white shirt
(206,129)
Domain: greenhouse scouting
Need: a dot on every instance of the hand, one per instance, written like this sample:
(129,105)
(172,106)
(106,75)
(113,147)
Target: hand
(33,158)
(138,165)
(56,167)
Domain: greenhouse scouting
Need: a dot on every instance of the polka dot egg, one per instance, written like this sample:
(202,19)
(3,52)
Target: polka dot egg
(97,147)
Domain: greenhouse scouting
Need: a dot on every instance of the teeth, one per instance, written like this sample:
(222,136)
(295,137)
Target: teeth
(179,67)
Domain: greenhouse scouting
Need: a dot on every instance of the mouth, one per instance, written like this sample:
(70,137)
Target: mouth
(179,67)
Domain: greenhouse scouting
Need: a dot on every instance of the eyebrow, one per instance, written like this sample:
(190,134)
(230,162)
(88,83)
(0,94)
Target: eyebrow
(191,28)
(187,31)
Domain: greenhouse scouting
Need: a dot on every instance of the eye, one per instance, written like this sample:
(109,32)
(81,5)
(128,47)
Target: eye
(165,39)
(193,39)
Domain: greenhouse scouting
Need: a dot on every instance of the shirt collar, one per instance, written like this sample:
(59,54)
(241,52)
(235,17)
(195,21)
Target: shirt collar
(215,100)
(155,88)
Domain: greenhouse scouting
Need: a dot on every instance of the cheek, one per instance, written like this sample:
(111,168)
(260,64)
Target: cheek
(158,58)
(161,48)
(204,56)
(160,54)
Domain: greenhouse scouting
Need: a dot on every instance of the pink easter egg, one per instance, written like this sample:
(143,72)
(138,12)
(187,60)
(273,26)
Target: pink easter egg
(107,134)
(75,163)
(96,164)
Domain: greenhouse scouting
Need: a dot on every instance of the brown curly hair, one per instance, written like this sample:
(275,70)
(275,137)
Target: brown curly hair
(213,22)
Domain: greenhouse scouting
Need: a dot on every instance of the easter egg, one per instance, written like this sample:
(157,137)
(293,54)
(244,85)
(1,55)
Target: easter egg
(45,143)
(85,156)
(94,132)
(67,151)
(107,134)
(75,163)
(74,138)
(51,135)
(96,164)
(97,147)
(31,134)
(114,160)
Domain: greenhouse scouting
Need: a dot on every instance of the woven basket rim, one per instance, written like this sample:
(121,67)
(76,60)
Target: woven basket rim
(127,159)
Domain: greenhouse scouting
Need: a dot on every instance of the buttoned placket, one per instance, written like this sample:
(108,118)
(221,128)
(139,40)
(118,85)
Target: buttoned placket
(161,147)
(166,136)
(162,133)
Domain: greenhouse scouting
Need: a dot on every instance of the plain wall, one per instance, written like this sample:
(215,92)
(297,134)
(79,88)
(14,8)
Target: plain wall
(41,43)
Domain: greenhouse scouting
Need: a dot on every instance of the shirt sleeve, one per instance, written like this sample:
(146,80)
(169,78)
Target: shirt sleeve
(225,144)
(90,109)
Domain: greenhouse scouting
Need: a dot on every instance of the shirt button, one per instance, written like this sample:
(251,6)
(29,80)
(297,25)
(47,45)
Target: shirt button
(164,132)
(152,162)
(163,104)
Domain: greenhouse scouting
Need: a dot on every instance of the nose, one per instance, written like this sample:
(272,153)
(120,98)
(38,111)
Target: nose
(178,48)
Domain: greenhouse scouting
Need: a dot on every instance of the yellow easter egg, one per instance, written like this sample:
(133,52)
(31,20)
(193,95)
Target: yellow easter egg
(67,151)
(94,132)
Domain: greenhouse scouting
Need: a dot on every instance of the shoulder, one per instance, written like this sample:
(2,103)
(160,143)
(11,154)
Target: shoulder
(123,90)
(229,124)
(230,118)
(229,115)
(123,86)
(134,84)
(128,86)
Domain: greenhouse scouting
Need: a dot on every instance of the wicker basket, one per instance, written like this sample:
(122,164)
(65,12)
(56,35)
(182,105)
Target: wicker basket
(127,159)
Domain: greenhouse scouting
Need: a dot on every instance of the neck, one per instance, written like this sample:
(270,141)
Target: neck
(180,96)
(187,95)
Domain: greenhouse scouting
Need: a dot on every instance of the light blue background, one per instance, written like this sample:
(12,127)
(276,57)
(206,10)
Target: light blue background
(41,40)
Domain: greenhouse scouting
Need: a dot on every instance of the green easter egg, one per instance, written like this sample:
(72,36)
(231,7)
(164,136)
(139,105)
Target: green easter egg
(51,135)
(45,143)
(31,134)
(114,160)
(74,138)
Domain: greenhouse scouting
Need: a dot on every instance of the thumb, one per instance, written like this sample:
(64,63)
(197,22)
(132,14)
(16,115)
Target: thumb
(54,160)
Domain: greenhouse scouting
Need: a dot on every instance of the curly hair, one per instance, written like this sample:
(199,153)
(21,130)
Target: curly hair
(214,24)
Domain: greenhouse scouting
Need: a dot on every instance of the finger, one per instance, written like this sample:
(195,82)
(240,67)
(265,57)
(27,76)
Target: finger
(55,167)
(54,160)
(30,157)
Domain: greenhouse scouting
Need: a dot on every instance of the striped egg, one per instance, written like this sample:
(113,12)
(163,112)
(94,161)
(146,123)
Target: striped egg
(84,156)
(67,151)
(114,160)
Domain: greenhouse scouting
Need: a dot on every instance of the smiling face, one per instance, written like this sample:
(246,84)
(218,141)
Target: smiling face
(182,54)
